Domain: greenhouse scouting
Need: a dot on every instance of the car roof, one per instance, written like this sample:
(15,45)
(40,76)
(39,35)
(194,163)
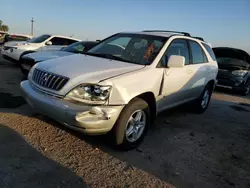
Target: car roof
(161,34)
(53,35)
(168,34)
(61,36)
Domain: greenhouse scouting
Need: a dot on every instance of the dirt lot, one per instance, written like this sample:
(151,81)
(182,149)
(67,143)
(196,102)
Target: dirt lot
(183,150)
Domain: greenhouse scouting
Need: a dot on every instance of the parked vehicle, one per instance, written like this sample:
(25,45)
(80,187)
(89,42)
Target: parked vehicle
(15,37)
(234,69)
(14,50)
(28,60)
(121,92)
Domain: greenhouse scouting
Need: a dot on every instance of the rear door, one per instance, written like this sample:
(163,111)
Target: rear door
(200,67)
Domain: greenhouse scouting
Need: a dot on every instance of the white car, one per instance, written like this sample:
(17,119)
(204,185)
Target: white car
(15,49)
(122,91)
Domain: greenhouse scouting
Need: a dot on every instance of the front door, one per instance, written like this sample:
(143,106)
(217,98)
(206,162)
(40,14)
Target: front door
(177,82)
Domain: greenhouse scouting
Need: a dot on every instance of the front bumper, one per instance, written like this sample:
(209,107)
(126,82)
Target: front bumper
(230,81)
(232,84)
(12,53)
(86,119)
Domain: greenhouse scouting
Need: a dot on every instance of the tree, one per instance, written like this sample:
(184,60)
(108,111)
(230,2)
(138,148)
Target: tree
(3,27)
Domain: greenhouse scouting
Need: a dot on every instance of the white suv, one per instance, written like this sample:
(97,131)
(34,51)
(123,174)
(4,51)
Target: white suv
(121,84)
(13,50)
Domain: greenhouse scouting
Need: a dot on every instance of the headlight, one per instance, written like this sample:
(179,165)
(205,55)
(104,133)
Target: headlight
(90,94)
(21,44)
(240,73)
(31,72)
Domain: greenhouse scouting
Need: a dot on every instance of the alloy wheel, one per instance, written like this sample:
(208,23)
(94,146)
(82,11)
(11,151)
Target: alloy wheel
(135,125)
(205,99)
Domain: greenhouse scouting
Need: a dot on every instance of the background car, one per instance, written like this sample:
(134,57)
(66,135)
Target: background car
(28,60)
(14,50)
(16,37)
(234,69)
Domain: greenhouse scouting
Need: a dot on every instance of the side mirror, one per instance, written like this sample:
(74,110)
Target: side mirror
(176,61)
(48,43)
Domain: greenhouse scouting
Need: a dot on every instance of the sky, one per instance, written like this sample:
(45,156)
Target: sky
(219,22)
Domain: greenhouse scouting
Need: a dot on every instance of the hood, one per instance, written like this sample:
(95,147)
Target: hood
(51,47)
(15,43)
(45,55)
(237,59)
(23,44)
(83,68)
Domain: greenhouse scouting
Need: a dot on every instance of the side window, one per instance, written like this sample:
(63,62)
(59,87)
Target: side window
(198,54)
(61,41)
(177,47)
(56,41)
(210,51)
(69,41)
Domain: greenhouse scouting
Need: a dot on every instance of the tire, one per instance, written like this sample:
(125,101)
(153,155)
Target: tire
(24,73)
(122,135)
(203,101)
(24,53)
(246,90)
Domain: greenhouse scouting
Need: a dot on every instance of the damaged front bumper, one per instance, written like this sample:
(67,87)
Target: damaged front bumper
(83,118)
(231,82)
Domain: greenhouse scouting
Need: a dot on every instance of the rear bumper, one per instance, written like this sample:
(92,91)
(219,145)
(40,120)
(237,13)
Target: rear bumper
(86,119)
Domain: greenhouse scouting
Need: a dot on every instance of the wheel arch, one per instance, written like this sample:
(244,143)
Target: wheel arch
(149,97)
(211,83)
(26,52)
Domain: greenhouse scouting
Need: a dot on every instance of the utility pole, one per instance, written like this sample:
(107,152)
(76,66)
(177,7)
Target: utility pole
(32,27)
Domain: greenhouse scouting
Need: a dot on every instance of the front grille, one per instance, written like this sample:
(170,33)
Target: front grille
(49,80)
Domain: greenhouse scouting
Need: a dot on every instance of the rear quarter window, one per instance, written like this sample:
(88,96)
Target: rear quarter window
(210,51)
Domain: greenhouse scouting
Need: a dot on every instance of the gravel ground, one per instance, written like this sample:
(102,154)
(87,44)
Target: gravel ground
(182,150)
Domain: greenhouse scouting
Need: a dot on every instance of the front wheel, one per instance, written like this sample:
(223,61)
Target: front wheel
(203,101)
(132,124)
(246,90)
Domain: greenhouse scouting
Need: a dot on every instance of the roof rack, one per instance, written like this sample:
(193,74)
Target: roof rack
(200,38)
(184,33)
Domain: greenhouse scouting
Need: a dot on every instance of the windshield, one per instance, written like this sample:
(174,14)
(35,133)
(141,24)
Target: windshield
(39,39)
(133,48)
(79,47)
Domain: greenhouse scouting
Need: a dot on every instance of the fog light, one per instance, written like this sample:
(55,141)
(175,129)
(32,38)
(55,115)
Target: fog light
(237,84)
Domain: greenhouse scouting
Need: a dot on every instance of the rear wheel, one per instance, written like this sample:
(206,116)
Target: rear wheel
(203,101)
(132,124)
